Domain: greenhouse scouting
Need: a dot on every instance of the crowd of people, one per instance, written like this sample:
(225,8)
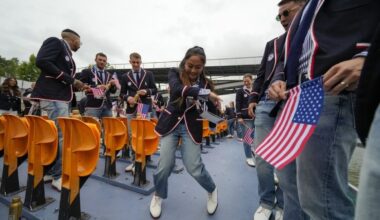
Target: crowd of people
(336,40)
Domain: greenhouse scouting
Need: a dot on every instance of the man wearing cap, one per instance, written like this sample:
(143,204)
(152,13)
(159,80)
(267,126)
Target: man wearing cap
(54,86)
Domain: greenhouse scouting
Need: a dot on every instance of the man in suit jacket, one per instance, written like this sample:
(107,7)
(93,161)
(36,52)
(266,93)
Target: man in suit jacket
(98,78)
(137,86)
(329,39)
(54,86)
(270,195)
(367,117)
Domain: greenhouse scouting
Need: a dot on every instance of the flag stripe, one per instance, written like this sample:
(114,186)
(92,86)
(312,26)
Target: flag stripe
(278,127)
(295,124)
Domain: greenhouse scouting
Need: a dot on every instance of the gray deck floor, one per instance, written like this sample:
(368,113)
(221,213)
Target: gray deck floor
(236,182)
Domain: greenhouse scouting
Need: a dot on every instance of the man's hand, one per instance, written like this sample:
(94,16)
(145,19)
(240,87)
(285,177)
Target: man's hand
(343,76)
(78,84)
(103,87)
(251,109)
(112,82)
(214,98)
(277,91)
(131,100)
(142,92)
(240,120)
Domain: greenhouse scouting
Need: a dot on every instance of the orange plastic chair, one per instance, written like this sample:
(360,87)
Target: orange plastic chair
(15,146)
(144,142)
(2,134)
(80,153)
(125,122)
(92,120)
(115,137)
(42,151)
(154,120)
(205,128)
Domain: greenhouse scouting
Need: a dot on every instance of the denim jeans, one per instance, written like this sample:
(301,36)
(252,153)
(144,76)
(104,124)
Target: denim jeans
(321,175)
(191,157)
(101,112)
(244,127)
(54,110)
(231,126)
(367,206)
(265,172)
(239,130)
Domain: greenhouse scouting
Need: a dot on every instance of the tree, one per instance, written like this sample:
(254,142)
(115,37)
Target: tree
(28,70)
(8,67)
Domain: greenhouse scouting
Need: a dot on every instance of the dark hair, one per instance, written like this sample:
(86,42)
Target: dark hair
(194,51)
(134,55)
(283,2)
(100,54)
(6,87)
(70,31)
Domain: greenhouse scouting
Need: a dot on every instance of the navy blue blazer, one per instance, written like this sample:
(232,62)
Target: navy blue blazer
(242,102)
(90,78)
(341,29)
(129,88)
(271,57)
(368,94)
(175,114)
(57,71)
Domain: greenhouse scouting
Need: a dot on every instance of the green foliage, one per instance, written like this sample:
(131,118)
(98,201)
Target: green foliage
(22,71)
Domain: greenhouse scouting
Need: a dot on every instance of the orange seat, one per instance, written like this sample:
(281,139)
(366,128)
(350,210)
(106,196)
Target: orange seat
(92,120)
(144,142)
(42,151)
(115,136)
(205,128)
(154,120)
(15,146)
(43,147)
(144,139)
(80,153)
(125,122)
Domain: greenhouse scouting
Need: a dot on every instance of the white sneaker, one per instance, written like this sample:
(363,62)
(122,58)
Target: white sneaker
(250,162)
(155,207)
(130,168)
(48,178)
(57,184)
(262,214)
(279,214)
(212,202)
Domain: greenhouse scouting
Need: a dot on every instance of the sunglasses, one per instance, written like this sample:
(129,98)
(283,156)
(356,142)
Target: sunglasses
(285,13)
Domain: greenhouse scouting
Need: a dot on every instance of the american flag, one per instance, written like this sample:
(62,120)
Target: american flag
(142,110)
(295,125)
(248,136)
(98,92)
(117,83)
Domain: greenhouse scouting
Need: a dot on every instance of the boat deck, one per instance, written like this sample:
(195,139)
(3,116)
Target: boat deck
(236,181)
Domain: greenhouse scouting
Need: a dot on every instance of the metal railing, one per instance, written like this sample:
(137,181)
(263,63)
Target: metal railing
(210,62)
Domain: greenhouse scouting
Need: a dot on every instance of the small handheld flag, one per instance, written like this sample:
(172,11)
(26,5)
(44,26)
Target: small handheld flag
(295,125)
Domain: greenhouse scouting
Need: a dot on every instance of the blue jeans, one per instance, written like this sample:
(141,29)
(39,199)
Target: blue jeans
(247,147)
(191,157)
(231,126)
(54,110)
(367,206)
(101,112)
(239,130)
(322,167)
(267,190)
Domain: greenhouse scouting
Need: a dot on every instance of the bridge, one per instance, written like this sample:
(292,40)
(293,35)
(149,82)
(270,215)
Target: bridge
(226,73)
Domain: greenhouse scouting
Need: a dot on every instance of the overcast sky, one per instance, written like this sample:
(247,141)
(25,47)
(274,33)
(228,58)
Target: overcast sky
(160,30)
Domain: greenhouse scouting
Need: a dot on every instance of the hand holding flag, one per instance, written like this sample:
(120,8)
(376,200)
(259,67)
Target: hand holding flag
(295,125)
